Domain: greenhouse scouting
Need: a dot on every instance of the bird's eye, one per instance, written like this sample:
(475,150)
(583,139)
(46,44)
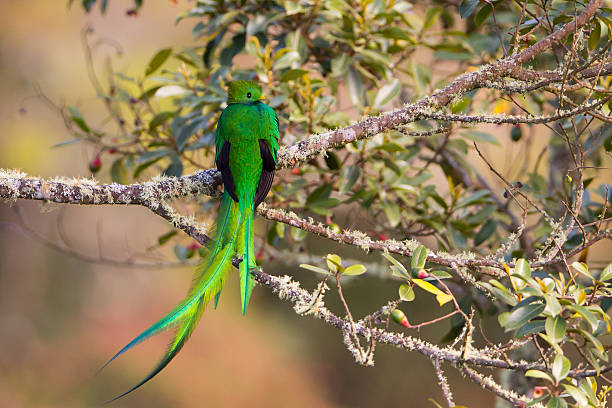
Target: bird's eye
(248,95)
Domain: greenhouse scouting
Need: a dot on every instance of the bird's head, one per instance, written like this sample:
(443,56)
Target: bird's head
(243,92)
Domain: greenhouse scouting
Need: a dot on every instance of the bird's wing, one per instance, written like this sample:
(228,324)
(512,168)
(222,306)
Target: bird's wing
(267,172)
(224,167)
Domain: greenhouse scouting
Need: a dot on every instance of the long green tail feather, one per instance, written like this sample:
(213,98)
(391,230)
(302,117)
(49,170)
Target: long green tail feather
(208,282)
(246,247)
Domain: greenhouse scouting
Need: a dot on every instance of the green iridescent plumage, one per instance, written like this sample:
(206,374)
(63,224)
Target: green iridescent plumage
(246,144)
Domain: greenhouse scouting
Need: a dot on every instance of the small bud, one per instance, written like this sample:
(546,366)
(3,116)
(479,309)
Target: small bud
(400,318)
(382,237)
(328,220)
(422,274)
(194,246)
(131,13)
(516,133)
(335,227)
(133,100)
(95,164)
(112,150)
(259,256)
(518,184)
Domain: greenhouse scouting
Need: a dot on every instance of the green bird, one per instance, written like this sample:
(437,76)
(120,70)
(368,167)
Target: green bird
(246,146)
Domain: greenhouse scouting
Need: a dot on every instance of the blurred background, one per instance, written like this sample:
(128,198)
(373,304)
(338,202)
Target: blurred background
(61,317)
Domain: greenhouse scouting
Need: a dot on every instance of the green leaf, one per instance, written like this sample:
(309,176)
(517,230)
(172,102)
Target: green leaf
(184,133)
(354,86)
(293,74)
(479,197)
(556,402)
(522,269)
(606,274)
(487,229)
(441,297)
(314,269)
(468,7)
(287,60)
(595,35)
(552,305)
(392,211)
(577,394)
(419,257)
(387,93)
(332,161)
(539,374)
(396,33)
(555,328)
(607,144)
(460,105)
(339,65)
(77,118)
(586,315)
(350,175)
(67,142)
(334,263)
(592,339)
(181,252)
(354,270)
(400,269)
(482,15)
(533,327)
(520,316)
(406,293)
(119,173)
(582,268)
(480,137)
(431,16)
(500,292)
(175,168)
(560,367)
(160,119)
(162,239)
(158,60)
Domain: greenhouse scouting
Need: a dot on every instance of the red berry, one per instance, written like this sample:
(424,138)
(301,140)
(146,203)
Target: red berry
(539,391)
(259,255)
(328,220)
(422,274)
(112,150)
(400,318)
(295,171)
(194,246)
(382,237)
(95,164)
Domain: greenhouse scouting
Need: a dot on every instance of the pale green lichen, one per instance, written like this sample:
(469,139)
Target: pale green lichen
(316,305)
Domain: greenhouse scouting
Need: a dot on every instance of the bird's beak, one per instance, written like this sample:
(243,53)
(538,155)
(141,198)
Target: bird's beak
(262,97)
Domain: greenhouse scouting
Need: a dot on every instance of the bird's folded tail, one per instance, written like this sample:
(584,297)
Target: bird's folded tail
(245,246)
(208,281)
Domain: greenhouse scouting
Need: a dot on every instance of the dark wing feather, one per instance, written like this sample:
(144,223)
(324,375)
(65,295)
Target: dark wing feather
(226,173)
(267,172)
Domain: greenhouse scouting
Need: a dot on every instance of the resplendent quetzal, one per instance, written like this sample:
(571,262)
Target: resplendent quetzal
(246,143)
